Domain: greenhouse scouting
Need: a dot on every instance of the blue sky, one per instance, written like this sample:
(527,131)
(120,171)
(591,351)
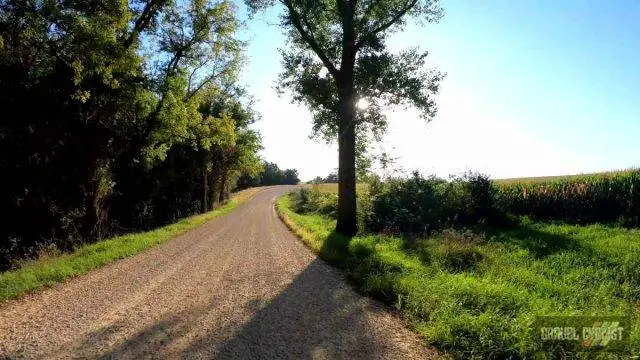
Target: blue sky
(533,88)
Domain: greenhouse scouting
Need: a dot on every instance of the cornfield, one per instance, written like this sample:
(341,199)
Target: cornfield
(597,198)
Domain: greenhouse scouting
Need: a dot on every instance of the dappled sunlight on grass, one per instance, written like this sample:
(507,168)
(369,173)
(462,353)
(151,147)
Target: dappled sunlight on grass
(478,297)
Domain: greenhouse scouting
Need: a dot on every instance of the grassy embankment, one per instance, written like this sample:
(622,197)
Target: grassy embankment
(51,269)
(477,296)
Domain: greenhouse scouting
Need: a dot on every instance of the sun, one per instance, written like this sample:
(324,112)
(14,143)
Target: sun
(362,104)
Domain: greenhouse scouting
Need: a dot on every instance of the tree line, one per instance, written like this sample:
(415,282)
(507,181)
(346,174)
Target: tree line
(271,174)
(117,116)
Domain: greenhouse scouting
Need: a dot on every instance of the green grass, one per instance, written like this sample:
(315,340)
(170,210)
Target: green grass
(477,297)
(49,270)
(333,187)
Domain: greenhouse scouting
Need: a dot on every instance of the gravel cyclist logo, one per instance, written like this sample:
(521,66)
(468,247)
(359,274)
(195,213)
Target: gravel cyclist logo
(601,333)
(583,333)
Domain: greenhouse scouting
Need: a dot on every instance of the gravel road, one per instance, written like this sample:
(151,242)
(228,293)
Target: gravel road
(239,287)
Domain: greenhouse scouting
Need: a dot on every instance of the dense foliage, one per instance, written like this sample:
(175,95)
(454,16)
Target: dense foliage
(412,205)
(420,205)
(311,200)
(337,56)
(424,205)
(117,116)
(598,198)
(271,174)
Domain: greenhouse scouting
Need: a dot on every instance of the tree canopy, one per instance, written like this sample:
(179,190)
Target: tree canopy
(117,116)
(271,174)
(337,56)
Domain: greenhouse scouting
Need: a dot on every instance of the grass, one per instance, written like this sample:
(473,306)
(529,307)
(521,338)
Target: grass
(333,187)
(477,297)
(52,269)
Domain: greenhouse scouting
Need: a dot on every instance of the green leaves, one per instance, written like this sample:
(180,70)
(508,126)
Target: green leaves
(399,80)
(108,120)
(329,40)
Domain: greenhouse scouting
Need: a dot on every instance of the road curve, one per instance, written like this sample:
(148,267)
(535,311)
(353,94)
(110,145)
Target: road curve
(239,287)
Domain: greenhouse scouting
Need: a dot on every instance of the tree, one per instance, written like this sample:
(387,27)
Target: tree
(337,57)
(269,174)
(290,177)
(102,130)
(331,178)
(68,58)
(234,149)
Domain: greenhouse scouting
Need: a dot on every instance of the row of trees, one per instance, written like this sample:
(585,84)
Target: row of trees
(271,174)
(117,116)
(332,178)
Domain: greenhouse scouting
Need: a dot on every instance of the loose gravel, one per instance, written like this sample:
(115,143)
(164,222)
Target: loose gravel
(239,287)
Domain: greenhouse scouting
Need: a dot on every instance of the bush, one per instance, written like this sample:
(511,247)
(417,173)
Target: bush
(410,205)
(312,200)
(422,205)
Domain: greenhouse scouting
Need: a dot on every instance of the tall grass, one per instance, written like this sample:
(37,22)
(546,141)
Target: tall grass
(597,198)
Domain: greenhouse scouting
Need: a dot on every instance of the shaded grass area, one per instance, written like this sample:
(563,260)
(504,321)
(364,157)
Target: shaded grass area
(49,270)
(477,296)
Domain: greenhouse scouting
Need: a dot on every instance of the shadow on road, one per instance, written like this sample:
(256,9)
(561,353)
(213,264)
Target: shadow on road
(315,316)
(310,319)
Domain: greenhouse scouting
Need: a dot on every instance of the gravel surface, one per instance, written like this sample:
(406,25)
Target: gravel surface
(239,287)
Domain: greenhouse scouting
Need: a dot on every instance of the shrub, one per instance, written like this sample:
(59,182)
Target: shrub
(424,205)
(364,204)
(410,205)
(311,200)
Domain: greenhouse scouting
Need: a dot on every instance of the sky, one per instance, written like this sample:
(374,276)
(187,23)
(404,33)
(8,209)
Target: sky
(533,88)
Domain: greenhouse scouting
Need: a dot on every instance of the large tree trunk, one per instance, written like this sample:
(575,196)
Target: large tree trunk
(205,182)
(347,221)
(223,184)
(94,220)
(214,178)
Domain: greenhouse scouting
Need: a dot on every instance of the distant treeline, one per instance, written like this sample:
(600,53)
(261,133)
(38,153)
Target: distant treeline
(271,174)
(332,178)
(117,116)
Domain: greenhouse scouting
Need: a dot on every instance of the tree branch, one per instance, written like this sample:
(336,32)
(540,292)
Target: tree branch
(208,80)
(385,26)
(306,36)
(367,11)
(150,10)
(200,66)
